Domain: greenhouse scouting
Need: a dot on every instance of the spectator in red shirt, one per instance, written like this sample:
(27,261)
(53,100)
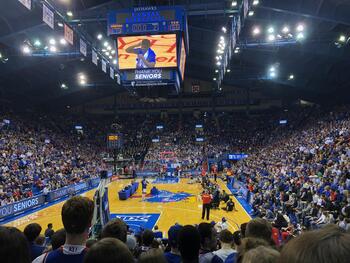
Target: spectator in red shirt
(206,198)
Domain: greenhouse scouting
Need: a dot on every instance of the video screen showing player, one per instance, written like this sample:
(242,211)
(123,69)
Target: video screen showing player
(146,57)
(147,52)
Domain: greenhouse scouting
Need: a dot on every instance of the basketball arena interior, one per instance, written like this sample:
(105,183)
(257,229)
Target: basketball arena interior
(175,131)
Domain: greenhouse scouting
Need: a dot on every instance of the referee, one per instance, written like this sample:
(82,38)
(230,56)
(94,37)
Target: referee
(206,199)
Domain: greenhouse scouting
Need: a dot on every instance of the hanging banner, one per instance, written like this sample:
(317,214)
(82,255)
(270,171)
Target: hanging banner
(68,34)
(94,57)
(239,27)
(83,47)
(111,72)
(48,17)
(104,66)
(26,3)
(245,8)
(118,79)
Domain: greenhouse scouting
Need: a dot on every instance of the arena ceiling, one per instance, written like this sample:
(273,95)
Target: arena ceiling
(314,68)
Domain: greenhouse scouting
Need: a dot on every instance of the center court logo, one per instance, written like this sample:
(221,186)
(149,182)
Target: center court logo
(167,197)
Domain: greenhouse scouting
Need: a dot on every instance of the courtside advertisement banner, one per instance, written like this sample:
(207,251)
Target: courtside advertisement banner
(149,51)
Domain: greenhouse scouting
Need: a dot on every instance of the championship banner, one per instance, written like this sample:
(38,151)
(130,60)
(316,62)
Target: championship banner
(239,26)
(119,79)
(83,47)
(26,3)
(94,57)
(68,34)
(111,72)
(104,66)
(48,17)
(147,51)
(245,8)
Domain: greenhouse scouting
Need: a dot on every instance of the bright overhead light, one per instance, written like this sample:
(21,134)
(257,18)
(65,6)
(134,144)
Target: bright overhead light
(270,30)
(224,29)
(272,69)
(82,76)
(300,36)
(64,86)
(285,30)
(291,77)
(105,44)
(273,74)
(110,57)
(229,70)
(69,13)
(0,55)
(53,49)
(256,31)
(342,39)
(234,3)
(113,52)
(222,38)
(216,71)
(52,41)
(60,24)
(251,13)
(99,36)
(255,2)
(279,36)
(300,28)
(236,51)
(63,42)
(271,38)
(107,53)
(218,63)
(37,43)
(82,82)
(214,79)
(26,49)
(109,48)
(290,35)
(114,62)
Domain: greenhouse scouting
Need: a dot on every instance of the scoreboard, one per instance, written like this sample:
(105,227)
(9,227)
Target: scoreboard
(152,45)
(152,19)
(114,141)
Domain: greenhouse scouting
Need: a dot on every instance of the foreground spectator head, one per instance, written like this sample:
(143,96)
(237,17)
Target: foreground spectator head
(248,244)
(259,228)
(328,245)
(261,254)
(226,237)
(153,255)
(77,215)
(147,238)
(32,232)
(109,250)
(173,235)
(58,239)
(13,246)
(208,236)
(189,244)
(115,228)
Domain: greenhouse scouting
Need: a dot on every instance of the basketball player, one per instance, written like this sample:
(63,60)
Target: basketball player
(144,184)
(146,57)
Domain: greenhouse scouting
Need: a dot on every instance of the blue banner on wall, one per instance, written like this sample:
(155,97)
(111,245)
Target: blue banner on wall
(138,221)
(237,156)
(21,206)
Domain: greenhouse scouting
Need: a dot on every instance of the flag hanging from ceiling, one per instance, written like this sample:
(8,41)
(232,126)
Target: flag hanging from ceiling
(83,47)
(68,34)
(104,66)
(26,3)
(245,8)
(94,57)
(111,72)
(48,16)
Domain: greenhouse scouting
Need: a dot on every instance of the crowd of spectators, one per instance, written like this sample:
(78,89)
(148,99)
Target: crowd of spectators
(254,242)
